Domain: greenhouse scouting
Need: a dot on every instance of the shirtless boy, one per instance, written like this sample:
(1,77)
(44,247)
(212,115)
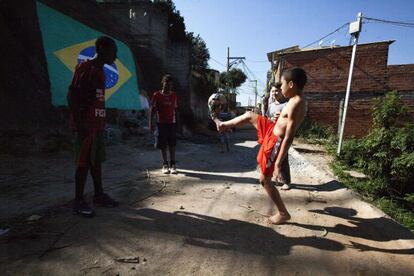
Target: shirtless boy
(276,137)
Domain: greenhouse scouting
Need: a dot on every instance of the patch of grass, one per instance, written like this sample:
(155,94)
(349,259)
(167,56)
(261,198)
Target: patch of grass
(314,133)
(357,184)
(397,211)
(368,189)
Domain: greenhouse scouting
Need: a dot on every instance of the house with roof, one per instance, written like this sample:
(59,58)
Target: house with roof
(328,68)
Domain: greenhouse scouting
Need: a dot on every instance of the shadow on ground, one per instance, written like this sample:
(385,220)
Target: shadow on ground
(210,232)
(330,186)
(380,229)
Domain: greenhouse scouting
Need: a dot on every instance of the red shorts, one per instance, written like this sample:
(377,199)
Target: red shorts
(270,145)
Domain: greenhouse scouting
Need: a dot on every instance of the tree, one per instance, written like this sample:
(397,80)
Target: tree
(199,52)
(204,82)
(233,79)
(176,25)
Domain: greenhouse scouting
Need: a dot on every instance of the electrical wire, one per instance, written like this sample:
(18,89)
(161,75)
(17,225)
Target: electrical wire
(250,60)
(252,74)
(331,33)
(218,62)
(407,24)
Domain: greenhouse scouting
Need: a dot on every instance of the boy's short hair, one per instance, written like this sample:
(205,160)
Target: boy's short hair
(297,76)
(104,41)
(166,78)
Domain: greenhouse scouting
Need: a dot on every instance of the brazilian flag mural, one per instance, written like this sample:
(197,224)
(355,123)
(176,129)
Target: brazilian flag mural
(68,42)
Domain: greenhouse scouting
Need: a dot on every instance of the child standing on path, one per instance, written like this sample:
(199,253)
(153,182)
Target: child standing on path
(164,103)
(86,99)
(275,104)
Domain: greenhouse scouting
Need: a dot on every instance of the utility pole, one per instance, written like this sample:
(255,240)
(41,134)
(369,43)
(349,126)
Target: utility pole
(228,59)
(354,30)
(255,93)
(231,63)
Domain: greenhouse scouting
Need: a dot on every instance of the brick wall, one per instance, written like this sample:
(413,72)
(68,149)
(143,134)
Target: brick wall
(328,71)
(325,110)
(401,77)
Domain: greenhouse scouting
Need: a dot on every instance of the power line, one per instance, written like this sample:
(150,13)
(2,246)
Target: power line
(407,24)
(331,33)
(252,74)
(250,60)
(218,62)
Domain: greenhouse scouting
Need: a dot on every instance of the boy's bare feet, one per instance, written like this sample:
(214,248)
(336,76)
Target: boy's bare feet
(278,219)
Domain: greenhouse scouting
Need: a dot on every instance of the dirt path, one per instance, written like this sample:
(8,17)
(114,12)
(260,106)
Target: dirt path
(208,220)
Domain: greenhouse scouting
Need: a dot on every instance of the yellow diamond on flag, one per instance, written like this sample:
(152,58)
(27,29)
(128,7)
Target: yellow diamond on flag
(116,75)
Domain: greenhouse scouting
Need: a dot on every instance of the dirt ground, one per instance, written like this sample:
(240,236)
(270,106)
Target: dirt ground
(210,219)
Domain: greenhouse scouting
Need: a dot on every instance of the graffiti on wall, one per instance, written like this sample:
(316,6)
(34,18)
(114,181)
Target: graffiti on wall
(67,42)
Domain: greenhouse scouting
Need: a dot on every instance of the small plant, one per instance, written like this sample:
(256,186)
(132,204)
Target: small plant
(314,132)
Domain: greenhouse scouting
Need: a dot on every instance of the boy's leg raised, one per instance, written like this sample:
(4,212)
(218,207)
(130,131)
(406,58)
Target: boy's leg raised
(283,214)
(248,117)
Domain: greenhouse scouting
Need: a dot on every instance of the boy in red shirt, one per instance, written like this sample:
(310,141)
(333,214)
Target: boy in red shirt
(86,100)
(275,137)
(164,103)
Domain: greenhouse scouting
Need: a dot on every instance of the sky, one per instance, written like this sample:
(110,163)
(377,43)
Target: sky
(252,28)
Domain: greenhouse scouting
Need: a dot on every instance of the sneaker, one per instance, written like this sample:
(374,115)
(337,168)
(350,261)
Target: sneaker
(173,169)
(165,169)
(285,187)
(104,200)
(82,209)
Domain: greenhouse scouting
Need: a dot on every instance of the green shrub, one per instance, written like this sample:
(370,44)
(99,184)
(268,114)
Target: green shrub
(313,131)
(386,154)
(394,209)
(352,153)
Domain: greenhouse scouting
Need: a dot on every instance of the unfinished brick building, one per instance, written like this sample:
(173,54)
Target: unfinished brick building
(328,70)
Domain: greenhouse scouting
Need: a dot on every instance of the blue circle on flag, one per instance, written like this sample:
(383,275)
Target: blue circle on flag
(111,71)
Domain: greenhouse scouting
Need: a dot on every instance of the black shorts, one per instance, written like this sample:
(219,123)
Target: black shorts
(166,135)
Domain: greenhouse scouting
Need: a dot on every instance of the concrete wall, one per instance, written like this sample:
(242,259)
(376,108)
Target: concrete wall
(178,65)
(147,29)
(24,85)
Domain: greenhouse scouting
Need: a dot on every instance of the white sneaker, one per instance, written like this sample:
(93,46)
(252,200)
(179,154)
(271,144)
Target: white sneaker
(165,169)
(173,169)
(285,187)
